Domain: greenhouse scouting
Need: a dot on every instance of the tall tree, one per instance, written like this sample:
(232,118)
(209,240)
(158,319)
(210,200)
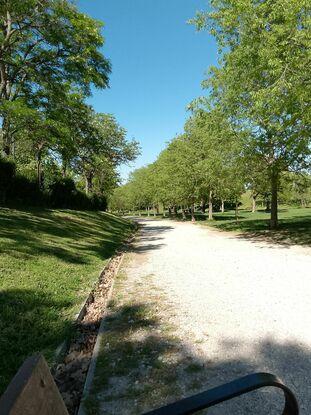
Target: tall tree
(263,80)
(43,44)
(101,142)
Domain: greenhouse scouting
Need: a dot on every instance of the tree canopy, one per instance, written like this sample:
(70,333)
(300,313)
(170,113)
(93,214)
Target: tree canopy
(253,126)
(50,58)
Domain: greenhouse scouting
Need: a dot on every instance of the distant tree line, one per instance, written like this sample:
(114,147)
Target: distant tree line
(252,130)
(50,138)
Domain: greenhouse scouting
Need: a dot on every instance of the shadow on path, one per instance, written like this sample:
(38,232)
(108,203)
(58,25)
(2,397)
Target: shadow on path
(142,366)
(149,236)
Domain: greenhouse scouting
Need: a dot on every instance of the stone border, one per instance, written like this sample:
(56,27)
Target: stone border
(73,369)
(63,348)
(91,370)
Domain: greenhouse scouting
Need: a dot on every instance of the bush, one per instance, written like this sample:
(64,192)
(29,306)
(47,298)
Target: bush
(59,192)
(98,202)
(26,192)
(7,176)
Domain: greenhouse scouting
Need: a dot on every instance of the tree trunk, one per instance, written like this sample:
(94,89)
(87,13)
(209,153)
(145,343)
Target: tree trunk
(6,138)
(157,209)
(88,183)
(154,211)
(253,204)
(274,200)
(222,206)
(13,149)
(203,207)
(236,211)
(175,210)
(169,211)
(210,205)
(148,211)
(64,169)
(192,213)
(39,169)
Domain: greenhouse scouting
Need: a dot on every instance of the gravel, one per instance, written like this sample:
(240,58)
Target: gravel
(240,306)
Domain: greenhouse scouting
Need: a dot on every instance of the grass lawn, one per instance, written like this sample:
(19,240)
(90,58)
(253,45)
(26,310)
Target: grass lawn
(49,261)
(294,225)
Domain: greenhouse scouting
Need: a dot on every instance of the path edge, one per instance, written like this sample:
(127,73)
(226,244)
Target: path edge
(91,370)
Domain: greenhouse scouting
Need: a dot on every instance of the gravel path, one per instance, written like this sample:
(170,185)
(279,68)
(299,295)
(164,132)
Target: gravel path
(240,306)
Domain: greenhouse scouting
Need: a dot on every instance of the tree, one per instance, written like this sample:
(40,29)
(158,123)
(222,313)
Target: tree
(177,176)
(218,165)
(263,81)
(101,142)
(34,57)
(296,188)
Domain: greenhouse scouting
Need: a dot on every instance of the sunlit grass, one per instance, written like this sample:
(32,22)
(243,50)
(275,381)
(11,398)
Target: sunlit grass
(49,261)
(294,224)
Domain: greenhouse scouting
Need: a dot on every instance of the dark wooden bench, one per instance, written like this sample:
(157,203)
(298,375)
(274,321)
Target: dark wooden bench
(33,392)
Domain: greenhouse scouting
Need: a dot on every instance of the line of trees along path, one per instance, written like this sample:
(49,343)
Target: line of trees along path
(252,130)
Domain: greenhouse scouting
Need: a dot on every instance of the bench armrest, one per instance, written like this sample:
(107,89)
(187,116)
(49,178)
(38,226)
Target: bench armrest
(229,391)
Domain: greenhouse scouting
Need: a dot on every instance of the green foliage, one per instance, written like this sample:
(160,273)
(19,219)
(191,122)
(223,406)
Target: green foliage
(7,175)
(202,163)
(100,148)
(34,54)
(45,77)
(58,191)
(25,192)
(263,81)
(295,188)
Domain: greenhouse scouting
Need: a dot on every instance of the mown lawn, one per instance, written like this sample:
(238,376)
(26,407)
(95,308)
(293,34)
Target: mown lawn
(294,225)
(49,261)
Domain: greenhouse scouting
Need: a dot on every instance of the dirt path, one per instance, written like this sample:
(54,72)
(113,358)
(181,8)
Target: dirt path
(234,307)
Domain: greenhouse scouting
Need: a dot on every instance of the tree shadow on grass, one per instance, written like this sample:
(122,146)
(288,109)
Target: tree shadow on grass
(30,321)
(31,233)
(142,365)
(295,231)
(291,231)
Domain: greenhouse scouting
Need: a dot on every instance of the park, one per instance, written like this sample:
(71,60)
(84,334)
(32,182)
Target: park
(155,207)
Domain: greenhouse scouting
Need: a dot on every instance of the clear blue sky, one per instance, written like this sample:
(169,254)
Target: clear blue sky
(158,63)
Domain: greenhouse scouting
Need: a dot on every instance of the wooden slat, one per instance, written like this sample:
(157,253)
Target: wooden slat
(32,391)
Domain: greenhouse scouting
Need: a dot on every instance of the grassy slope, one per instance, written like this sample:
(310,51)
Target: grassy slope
(49,260)
(294,225)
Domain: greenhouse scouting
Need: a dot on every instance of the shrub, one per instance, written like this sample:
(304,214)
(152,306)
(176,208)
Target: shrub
(98,202)
(61,193)
(26,192)
(7,175)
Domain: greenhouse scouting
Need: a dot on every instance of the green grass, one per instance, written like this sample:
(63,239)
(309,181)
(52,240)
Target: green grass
(294,225)
(49,261)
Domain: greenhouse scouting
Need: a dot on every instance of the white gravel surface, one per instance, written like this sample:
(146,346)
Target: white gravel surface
(240,306)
